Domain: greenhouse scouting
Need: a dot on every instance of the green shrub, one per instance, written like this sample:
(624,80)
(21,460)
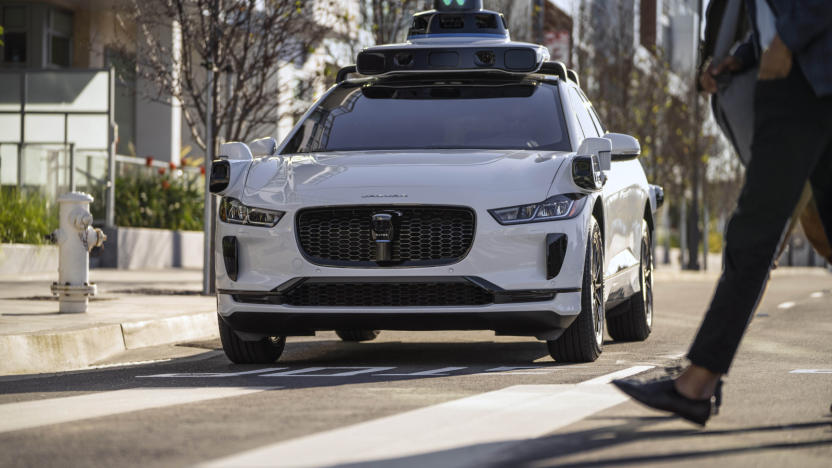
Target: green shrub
(145,198)
(26,217)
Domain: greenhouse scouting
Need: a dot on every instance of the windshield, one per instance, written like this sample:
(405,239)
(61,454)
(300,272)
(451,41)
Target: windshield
(456,114)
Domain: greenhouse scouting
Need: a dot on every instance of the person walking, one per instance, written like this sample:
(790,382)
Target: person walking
(792,145)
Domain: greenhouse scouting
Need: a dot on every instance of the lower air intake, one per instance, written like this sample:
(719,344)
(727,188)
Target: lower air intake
(388,295)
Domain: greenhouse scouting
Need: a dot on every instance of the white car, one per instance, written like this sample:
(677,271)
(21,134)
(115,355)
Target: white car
(463,183)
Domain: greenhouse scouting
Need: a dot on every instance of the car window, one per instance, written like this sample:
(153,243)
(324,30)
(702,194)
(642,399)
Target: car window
(580,109)
(594,115)
(574,104)
(420,114)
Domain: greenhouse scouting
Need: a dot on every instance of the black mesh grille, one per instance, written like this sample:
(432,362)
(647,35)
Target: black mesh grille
(388,294)
(425,236)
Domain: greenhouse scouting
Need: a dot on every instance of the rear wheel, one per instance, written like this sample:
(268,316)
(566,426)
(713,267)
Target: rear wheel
(264,351)
(582,341)
(634,321)
(356,336)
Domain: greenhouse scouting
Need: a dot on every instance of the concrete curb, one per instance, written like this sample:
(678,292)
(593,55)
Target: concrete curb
(18,259)
(72,349)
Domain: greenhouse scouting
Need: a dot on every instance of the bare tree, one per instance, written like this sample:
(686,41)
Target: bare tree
(391,18)
(250,39)
(633,94)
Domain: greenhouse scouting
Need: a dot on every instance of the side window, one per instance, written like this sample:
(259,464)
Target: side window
(593,115)
(580,109)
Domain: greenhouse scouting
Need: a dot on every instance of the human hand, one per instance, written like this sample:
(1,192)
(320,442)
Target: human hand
(776,62)
(708,78)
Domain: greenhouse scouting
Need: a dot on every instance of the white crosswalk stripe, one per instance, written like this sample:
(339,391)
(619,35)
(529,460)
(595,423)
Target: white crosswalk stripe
(36,413)
(463,432)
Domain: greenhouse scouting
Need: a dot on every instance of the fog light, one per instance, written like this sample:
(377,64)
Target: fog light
(555,254)
(229,255)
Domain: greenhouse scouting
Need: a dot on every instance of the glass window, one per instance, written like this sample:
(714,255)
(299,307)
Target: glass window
(14,17)
(61,22)
(60,38)
(458,114)
(579,106)
(60,51)
(15,49)
(593,115)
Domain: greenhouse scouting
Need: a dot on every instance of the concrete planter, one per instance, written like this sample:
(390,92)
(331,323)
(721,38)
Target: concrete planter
(21,259)
(149,249)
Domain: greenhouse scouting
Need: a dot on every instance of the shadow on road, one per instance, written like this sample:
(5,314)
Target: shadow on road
(467,357)
(556,449)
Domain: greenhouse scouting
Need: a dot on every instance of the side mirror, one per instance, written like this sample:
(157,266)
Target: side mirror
(263,147)
(601,147)
(220,176)
(588,166)
(624,147)
(235,151)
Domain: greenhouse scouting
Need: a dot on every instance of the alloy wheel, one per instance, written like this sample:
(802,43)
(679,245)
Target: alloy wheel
(598,287)
(647,279)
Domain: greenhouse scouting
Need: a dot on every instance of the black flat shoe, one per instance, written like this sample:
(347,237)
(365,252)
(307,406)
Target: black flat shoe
(662,395)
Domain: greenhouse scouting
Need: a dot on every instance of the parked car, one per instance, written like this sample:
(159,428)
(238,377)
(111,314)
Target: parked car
(461,181)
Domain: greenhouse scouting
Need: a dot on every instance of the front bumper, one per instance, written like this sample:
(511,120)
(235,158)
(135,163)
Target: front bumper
(507,261)
(543,319)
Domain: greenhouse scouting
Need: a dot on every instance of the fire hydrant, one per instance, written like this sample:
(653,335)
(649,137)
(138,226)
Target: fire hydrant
(76,238)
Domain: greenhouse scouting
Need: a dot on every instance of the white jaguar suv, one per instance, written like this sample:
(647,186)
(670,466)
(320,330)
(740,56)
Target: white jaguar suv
(459,183)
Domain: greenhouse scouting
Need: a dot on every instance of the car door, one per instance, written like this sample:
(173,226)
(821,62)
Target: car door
(618,212)
(629,200)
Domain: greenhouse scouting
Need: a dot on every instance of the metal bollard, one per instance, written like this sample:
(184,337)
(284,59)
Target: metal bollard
(76,238)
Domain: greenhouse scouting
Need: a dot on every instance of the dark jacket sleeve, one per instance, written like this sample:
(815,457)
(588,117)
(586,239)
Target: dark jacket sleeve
(799,22)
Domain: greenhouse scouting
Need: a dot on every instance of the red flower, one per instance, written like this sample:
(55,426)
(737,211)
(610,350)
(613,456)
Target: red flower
(202,170)
(148,161)
(172,166)
(161,171)
(165,184)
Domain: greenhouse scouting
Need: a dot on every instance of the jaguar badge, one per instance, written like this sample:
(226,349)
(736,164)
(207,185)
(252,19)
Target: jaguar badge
(383,229)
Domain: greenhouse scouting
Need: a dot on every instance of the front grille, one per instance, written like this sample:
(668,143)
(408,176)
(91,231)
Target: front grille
(388,295)
(424,236)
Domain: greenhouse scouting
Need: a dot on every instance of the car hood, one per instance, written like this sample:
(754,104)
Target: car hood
(371,177)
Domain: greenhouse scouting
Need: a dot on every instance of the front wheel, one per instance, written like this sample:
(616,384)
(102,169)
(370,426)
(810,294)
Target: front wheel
(582,341)
(264,351)
(635,321)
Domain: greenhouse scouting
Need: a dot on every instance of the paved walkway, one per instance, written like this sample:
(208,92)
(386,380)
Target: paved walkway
(133,309)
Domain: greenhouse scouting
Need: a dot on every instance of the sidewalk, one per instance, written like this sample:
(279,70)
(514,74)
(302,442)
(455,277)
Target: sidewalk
(132,310)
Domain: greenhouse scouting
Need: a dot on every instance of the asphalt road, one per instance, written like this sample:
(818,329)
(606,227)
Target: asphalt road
(441,399)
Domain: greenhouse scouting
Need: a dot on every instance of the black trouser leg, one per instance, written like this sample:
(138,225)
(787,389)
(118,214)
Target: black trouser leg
(792,129)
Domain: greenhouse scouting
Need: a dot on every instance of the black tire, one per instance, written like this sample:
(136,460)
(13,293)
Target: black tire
(239,351)
(634,321)
(356,336)
(582,341)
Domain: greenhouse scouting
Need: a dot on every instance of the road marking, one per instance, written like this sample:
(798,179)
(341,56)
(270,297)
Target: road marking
(37,413)
(520,370)
(811,371)
(434,372)
(786,305)
(307,372)
(605,379)
(208,375)
(464,432)
(816,295)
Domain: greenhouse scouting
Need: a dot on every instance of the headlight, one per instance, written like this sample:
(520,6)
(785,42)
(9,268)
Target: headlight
(557,207)
(234,212)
